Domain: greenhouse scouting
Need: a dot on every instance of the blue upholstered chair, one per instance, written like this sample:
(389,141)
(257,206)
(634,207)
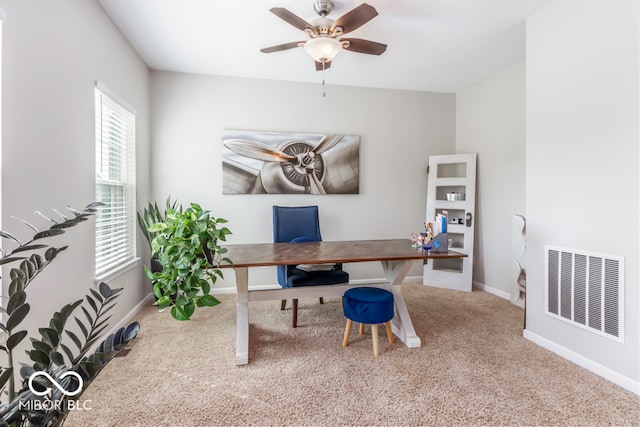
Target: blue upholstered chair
(300,224)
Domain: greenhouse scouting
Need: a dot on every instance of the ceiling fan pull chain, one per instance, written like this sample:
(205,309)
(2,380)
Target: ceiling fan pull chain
(324,94)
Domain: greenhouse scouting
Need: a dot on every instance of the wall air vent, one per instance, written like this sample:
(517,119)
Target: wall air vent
(586,289)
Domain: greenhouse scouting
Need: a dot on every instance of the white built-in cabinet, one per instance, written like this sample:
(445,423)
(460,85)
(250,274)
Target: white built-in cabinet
(455,174)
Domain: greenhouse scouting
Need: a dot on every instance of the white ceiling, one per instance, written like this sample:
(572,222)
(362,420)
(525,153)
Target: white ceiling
(433,45)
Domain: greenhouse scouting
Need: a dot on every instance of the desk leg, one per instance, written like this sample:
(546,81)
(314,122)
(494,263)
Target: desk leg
(401,323)
(242,322)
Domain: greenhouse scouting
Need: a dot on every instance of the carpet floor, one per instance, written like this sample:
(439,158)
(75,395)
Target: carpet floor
(474,369)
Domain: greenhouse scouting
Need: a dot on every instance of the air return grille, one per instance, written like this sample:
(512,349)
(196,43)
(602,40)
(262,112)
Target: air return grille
(586,289)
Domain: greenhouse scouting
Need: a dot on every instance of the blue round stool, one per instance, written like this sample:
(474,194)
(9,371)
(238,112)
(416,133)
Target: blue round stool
(368,306)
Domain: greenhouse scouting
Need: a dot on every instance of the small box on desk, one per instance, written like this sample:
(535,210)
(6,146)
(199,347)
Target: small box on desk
(439,244)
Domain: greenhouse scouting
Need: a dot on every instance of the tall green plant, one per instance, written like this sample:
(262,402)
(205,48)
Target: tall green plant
(51,353)
(187,248)
(153,215)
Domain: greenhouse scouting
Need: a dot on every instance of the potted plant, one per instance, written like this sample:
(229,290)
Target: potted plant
(186,245)
(69,356)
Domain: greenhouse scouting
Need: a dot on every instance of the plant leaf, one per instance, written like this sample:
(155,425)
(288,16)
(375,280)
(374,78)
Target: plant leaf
(29,268)
(50,336)
(208,301)
(4,377)
(28,248)
(9,236)
(74,338)
(106,291)
(15,339)
(96,295)
(18,315)
(56,358)
(87,315)
(178,313)
(16,300)
(67,351)
(39,356)
(82,327)
(47,233)
(92,303)
(11,259)
(41,346)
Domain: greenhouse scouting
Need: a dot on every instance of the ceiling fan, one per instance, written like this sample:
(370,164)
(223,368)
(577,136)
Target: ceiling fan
(325,40)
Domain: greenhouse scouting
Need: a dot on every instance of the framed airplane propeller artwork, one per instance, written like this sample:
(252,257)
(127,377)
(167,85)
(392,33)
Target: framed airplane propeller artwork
(255,162)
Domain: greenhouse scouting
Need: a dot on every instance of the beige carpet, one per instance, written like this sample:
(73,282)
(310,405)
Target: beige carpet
(474,368)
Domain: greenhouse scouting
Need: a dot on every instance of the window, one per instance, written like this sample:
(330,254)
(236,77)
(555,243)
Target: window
(115,182)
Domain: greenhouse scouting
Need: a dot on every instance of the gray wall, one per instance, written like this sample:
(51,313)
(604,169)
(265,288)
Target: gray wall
(582,164)
(490,121)
(53,52)
(398,131)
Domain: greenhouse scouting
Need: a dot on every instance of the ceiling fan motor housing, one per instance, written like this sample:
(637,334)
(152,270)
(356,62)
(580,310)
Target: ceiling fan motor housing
(323,25)
(323,7)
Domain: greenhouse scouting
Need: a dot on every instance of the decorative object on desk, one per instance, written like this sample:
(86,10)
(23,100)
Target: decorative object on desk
(418,239)
(289,163)
(55,352)
(436,231)
(186,245)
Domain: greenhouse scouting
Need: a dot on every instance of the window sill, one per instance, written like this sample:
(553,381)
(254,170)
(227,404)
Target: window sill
(118,271)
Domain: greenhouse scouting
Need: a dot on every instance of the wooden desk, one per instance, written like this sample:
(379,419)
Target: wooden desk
(396,256)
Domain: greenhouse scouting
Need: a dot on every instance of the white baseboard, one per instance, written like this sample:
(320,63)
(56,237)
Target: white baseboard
(596,368)
(492,291)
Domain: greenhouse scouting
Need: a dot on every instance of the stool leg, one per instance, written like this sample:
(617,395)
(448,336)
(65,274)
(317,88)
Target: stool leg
(283,304)
(389,332)
(376,344)
(347,332)
(295,313)
(361,328)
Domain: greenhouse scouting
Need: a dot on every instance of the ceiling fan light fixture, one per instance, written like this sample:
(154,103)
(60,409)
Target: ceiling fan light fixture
(323,49)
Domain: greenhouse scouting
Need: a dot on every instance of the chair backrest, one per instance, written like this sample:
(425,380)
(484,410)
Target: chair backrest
(290,222)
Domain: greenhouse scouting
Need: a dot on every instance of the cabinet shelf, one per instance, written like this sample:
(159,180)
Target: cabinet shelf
(451,182)
(445,204)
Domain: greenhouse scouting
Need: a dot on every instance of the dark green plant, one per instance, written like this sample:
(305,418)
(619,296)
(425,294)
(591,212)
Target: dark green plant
(153,215)
(50,353)
(186,245)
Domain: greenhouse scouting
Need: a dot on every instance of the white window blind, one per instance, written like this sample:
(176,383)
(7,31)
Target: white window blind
(115,182)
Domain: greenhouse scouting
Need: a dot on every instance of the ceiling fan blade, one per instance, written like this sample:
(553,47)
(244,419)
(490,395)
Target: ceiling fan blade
(257,150)
(293,19)
(327,142)
(364,46)
(355,18)
(319,67)
(280,47)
